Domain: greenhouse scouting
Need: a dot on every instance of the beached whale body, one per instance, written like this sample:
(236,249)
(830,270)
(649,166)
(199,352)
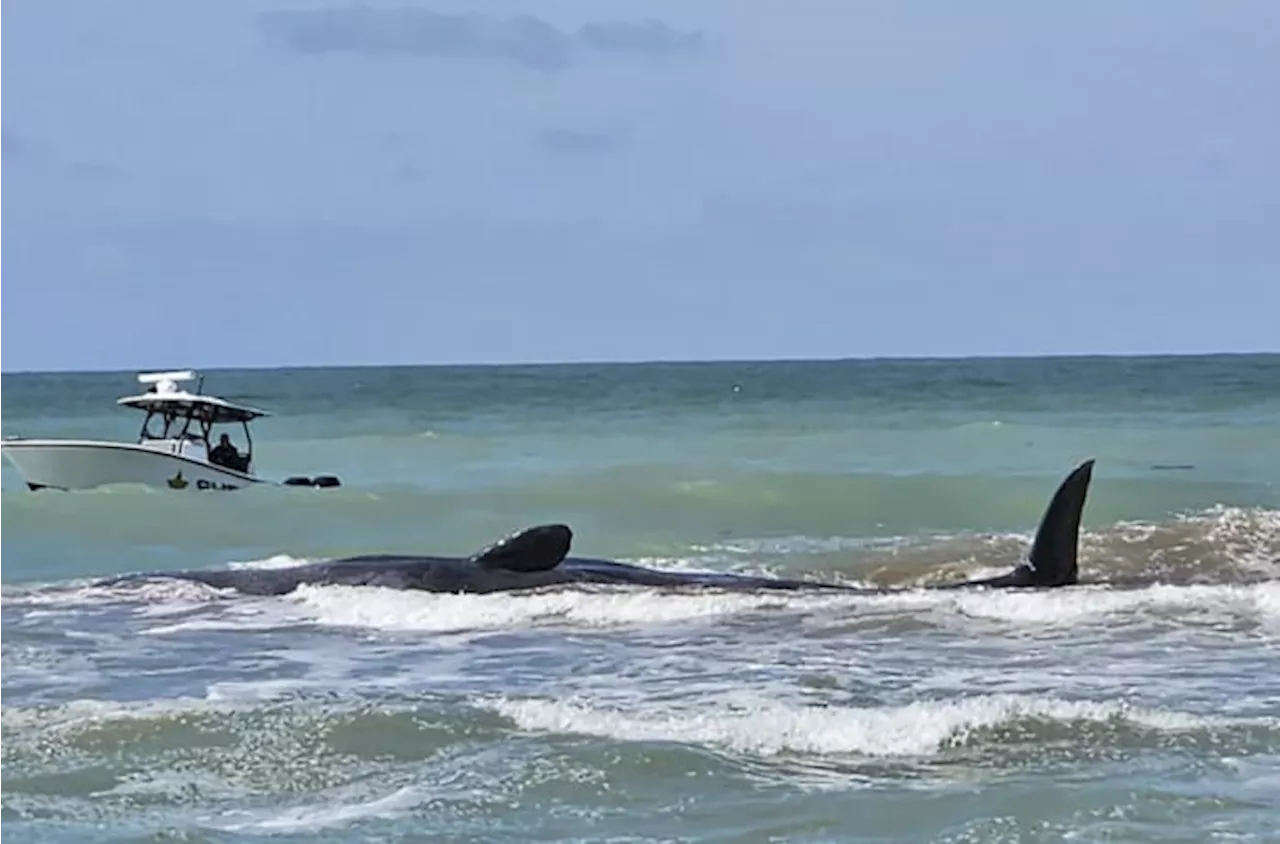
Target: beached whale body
(537,557)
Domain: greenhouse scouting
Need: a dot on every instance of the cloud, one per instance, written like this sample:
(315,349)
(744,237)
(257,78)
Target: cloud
(651,37)
(14,146)
(525,40)
(573,142)
(93,171)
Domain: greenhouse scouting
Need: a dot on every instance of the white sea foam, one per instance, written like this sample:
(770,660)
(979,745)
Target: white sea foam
(767,727)
(332,813)
(1259,602)
(385,609)
(86,712)
(76,597)
(277,561)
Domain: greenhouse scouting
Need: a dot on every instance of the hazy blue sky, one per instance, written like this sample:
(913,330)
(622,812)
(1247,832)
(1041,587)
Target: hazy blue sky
(246,183)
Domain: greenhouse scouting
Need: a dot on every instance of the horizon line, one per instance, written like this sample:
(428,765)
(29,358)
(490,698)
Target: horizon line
(653,361)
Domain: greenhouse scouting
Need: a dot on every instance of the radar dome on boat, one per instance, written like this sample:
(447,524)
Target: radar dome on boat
(166,382)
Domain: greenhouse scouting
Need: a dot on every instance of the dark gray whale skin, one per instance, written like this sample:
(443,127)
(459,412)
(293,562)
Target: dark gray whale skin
(537,557)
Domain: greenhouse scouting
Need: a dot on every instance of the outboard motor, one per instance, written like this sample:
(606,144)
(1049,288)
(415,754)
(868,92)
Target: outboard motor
(319,481)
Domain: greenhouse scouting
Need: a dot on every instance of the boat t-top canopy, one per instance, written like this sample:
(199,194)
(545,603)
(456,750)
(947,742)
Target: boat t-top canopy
(165,397)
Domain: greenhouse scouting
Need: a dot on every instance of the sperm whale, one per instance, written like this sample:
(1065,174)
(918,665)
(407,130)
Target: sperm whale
(538,557)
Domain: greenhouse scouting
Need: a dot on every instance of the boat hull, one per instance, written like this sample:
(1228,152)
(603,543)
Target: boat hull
(86,464)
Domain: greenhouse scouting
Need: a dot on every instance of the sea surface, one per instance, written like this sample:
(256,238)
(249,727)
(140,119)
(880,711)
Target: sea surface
(1143,705)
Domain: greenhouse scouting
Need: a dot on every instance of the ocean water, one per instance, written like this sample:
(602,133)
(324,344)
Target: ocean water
(1141,706)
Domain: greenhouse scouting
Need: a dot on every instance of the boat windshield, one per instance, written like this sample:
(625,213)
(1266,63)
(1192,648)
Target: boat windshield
(172,424)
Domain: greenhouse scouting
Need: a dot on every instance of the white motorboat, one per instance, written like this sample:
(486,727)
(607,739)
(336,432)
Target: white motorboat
(174,449)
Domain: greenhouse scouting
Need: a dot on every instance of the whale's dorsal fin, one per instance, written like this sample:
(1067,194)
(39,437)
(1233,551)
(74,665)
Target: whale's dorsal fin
(540,548)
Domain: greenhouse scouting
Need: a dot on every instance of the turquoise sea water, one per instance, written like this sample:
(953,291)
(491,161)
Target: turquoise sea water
(1147,709)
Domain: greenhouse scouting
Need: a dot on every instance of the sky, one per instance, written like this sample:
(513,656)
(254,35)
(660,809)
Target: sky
(304,183)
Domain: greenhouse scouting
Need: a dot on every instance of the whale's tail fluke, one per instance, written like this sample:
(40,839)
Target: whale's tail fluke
(1053,560)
